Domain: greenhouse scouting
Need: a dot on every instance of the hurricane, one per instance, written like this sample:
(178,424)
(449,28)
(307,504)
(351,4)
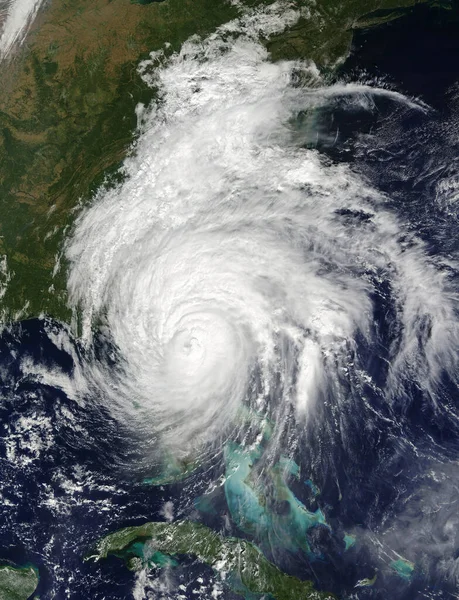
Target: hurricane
(236,272)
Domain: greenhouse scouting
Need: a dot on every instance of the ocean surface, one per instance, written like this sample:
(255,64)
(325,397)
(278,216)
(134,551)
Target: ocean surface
(311,271)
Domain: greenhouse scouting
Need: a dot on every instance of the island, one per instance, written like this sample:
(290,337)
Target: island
(240,563)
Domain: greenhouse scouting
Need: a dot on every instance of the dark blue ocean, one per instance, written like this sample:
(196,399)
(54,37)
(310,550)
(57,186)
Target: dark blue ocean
(69,471)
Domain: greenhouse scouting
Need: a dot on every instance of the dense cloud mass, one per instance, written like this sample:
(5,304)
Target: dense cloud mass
(264,315)
(233,266)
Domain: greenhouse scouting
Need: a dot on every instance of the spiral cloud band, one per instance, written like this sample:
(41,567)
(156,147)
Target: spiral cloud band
(235,267)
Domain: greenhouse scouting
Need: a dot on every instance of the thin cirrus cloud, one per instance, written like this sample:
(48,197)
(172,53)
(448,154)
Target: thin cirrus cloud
(16,18)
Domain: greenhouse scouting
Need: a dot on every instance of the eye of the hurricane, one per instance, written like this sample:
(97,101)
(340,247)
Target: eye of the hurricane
(202,372)
(195,352)
(190,346)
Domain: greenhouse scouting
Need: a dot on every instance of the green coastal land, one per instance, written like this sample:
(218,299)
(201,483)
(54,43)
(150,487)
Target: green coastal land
(239,563)
(67,121)
(17,583)
(67,114)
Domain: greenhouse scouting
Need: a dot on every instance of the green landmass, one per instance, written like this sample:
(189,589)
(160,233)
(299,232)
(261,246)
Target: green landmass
(241,563)
(17,583)
(367,581)
(67,114)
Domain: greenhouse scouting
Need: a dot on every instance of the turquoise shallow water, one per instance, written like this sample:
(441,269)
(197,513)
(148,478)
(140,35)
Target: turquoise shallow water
(264,505)
(365,504)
